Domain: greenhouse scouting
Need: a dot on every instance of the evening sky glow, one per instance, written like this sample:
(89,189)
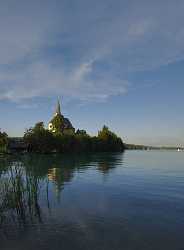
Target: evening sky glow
(114,62)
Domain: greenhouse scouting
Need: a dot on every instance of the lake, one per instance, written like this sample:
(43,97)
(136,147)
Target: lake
(111,201)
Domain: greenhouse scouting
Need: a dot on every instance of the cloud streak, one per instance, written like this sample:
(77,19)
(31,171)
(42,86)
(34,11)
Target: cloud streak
(40,79)
(84,50)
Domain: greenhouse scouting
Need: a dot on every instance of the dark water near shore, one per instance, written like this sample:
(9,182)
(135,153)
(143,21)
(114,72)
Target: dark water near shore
(131,201)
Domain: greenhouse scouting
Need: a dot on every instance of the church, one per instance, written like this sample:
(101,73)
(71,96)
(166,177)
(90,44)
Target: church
(59,123)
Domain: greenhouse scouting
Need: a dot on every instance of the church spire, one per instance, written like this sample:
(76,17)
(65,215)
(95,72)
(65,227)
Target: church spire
(58,108)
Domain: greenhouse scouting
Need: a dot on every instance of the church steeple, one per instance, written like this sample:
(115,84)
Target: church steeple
(59,123)
(58,108)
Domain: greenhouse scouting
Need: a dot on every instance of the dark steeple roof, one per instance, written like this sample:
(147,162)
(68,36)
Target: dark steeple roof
(58,108)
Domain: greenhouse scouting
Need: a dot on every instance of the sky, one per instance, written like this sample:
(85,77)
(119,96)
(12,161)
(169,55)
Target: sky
(113,62)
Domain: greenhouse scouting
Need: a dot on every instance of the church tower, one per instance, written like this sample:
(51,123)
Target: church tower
(60,124)
(58,108)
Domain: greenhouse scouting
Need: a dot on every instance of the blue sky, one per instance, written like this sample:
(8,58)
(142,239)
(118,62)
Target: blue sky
(114,62)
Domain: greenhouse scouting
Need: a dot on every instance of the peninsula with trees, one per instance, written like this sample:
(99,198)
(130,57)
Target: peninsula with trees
(59,137)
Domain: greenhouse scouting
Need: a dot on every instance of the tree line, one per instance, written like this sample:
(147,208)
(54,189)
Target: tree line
(42,140)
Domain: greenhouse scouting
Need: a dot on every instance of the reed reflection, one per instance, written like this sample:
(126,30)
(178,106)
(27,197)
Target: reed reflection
(25,184)
(19,195)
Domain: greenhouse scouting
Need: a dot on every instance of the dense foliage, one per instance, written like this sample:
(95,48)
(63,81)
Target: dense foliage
(3,142)
(41,140)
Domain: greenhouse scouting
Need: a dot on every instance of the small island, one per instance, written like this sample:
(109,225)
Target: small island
(60,137)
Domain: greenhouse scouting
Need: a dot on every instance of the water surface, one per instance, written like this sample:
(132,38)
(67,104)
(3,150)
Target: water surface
(132,200)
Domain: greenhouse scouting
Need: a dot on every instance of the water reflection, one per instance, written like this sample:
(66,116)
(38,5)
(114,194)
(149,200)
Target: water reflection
(25,184)
(19,195)
(107,162)
(92,201)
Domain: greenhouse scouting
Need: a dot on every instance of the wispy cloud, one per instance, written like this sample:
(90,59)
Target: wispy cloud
(40,79)
(84,49)
(28,106)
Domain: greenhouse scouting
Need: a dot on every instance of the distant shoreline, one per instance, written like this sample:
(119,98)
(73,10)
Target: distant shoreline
(126,145)
(144,147)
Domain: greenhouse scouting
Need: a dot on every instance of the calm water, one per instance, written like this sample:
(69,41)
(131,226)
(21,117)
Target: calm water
(125,201)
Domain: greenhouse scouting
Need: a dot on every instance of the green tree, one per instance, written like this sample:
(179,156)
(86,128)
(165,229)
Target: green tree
(81,132)
(3,142)
(108,141)
(39,139)
(83,141)
(39,126)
